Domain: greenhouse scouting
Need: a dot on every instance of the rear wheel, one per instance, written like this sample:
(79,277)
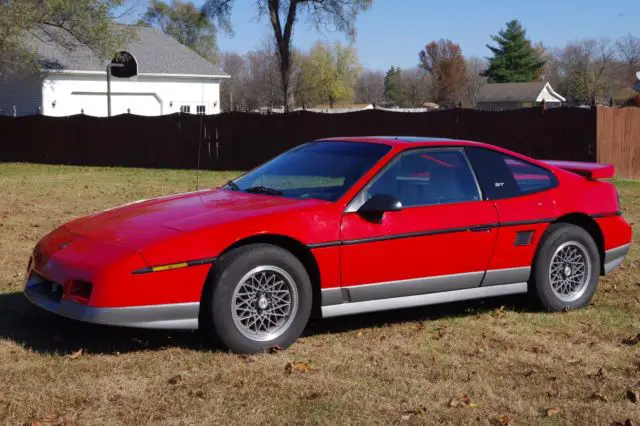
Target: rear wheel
(259,297)
(566,268)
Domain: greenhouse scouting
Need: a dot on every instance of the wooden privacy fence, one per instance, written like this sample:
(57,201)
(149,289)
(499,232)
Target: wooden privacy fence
(619,140)
(238,141)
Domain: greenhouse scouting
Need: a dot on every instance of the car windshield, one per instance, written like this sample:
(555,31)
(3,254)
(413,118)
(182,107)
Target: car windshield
(322,170)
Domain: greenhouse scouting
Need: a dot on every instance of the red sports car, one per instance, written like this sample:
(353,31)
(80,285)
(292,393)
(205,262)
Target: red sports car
(336,227)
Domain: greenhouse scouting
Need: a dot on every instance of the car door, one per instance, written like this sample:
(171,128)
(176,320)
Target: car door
(525,201)
(440,240)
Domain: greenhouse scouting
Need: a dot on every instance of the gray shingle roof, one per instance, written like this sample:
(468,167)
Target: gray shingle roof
(510,92)
(155,52)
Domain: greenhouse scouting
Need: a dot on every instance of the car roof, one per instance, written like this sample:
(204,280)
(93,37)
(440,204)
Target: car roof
(407,141)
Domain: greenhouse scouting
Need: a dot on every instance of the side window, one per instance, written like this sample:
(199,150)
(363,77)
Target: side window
(502,176)
(201,109)
(185,109)
(427,177)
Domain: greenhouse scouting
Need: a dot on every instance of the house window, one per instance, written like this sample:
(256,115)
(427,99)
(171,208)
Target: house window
(201,109)
(185,109)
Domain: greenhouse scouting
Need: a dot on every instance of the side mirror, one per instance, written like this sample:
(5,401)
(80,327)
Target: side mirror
(380,204)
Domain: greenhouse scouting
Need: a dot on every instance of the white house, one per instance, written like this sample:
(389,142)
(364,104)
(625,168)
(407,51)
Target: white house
(507,96)
(171,78)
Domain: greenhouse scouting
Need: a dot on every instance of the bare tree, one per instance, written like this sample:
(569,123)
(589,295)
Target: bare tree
(417,87)
(370,87)
(232,91)
(337,15)
(629,49)
(263,83)
(475,80)
(587,67)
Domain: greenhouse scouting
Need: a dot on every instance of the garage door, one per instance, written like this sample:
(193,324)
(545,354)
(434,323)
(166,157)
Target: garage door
(96,104)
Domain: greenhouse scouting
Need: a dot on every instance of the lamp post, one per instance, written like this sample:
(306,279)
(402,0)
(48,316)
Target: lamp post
(109,67)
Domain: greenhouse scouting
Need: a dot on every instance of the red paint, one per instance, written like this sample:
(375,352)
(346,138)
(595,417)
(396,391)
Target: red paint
(590,170)
(423,256)
(104,248)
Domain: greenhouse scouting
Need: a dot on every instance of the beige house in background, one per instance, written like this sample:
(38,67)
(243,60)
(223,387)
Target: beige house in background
(508,96)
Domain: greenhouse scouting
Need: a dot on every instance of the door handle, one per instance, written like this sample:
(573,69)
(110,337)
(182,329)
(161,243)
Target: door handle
(480,228)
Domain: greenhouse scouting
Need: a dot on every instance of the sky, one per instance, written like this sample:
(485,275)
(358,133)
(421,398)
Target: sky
(392,32)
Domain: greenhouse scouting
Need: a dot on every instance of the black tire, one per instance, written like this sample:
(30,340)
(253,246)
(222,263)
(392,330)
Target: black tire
(217,319)
(557,236)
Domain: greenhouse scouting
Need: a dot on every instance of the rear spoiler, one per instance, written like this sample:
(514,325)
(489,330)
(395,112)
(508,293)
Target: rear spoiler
(588,170)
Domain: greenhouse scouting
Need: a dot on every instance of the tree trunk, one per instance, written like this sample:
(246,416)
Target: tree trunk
(283,42)
(284,54)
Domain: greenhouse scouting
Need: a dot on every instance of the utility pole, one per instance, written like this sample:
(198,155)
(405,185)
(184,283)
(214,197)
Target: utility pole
(109,67)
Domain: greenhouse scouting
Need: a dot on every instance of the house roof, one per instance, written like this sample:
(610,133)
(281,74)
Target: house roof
(513,92)
(154,51)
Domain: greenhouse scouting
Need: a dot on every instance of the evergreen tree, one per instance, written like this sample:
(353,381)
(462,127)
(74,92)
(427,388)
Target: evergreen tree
(514,60)
(393,90)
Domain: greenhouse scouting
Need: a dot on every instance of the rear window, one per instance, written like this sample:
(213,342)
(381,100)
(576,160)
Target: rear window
(528,177)
(503,176)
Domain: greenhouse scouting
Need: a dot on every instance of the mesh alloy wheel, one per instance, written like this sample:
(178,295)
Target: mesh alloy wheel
(570,271)
(264,303)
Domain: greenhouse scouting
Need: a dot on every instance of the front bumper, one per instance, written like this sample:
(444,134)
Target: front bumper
(179,316)
(614,257)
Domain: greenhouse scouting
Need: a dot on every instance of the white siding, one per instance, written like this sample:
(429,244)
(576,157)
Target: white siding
(24,93)
(70,94)
(547,96)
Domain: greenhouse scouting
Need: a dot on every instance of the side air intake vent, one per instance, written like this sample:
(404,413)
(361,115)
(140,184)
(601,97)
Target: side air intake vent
(523,238)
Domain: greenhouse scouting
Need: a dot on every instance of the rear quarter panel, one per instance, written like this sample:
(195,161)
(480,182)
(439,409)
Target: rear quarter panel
(598,199)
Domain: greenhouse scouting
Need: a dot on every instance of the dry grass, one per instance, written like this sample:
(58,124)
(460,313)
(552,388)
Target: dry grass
(412,366)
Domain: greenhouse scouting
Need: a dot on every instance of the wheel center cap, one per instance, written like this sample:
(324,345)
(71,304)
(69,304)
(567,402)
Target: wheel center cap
(567,271)
(263,302)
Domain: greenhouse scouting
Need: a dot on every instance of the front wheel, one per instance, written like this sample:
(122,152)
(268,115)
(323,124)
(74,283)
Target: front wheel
(260,297)
(566,268)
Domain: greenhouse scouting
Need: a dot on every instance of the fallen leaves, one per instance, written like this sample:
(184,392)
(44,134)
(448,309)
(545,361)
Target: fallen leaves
(550,412)
(175,379)
(633,340)
(247,359)
(198,394)
(440,332)
(415,412)
(530,372)
(298,366)
(275,349)
(627,422)
(499,313)
(633,395)
(465,401)
(600,374)
(597,396)
(77,354)
(311,396)
(503,420)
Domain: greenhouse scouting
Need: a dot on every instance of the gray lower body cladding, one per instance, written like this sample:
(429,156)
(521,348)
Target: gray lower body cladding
(423,291)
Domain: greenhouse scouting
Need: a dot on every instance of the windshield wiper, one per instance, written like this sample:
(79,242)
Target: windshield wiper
(233,186)
(263,190)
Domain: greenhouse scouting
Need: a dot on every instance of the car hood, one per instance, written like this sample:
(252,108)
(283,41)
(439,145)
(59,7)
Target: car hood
(145,222)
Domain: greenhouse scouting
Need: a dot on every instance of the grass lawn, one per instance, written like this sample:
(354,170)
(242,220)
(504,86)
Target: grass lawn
(487,362)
